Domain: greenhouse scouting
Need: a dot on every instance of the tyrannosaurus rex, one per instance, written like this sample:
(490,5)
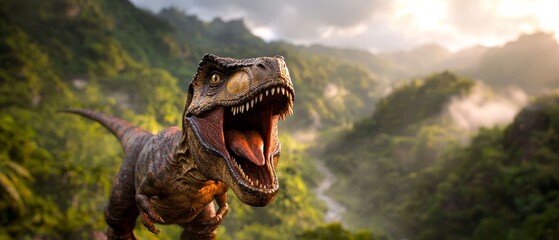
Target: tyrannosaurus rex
(229,139)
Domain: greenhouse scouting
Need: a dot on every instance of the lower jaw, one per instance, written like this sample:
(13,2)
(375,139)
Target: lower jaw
(254,187)
(255,198)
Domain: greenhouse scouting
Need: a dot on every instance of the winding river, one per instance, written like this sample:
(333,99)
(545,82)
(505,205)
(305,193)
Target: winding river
(334,209)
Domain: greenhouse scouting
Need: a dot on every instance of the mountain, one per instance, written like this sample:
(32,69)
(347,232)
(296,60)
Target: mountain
(428,58)
(531,63)
(384,69)
(419,60)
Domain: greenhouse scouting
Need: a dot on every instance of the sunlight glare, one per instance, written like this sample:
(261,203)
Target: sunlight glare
(538,14)
(425,14)
(265,33)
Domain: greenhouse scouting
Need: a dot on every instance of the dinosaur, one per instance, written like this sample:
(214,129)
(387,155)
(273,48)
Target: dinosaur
(229,139)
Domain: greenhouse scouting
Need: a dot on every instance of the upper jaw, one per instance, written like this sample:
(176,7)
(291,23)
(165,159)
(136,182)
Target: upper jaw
(244,101)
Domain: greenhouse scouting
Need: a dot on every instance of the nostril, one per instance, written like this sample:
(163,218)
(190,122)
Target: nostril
(261,66)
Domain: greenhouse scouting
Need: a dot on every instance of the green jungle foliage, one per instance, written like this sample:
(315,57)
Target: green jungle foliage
(336,231)
(403,170)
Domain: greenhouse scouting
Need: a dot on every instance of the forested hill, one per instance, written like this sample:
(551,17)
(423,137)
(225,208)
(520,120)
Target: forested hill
(406,170)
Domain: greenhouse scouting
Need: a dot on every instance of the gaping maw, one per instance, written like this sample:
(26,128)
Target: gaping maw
(246,133)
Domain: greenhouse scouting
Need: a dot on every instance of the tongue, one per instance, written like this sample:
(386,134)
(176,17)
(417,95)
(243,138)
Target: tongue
(248,145)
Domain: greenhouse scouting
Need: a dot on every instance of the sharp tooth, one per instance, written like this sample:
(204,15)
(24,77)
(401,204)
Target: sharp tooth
(269,166)
(278,89)
(242,108)
(260,97)
(257,182)
(247,106)
(273,91)
(266,92)
(252,103)
(283,91)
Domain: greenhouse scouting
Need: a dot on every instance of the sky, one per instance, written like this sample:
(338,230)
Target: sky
(380,25)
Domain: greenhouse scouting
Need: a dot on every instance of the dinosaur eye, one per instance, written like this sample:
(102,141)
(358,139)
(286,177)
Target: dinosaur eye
(215,78)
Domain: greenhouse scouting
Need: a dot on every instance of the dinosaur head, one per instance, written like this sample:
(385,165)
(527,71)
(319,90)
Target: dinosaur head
(231,122)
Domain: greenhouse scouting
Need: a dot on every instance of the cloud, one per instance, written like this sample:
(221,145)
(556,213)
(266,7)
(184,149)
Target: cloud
(291,19)
(380,25)
(483,108)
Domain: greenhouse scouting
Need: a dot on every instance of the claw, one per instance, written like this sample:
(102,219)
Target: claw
(148,218)
(155,217)
(211,224)
(148,215)
(208,229)
(149,223)
(213,221)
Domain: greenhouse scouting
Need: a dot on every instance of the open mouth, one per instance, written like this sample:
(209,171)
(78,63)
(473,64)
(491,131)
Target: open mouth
(249,137)
(250,132)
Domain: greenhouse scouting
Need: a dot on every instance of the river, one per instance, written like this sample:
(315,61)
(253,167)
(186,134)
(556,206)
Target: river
(334,209)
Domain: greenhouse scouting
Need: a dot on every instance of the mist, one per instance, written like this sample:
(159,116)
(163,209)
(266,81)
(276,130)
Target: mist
(486,108)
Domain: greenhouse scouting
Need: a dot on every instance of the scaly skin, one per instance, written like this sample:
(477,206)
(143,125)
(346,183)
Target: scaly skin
(229,139)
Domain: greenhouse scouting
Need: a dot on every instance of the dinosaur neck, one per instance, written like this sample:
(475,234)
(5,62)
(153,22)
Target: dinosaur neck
(184,159)
(181,150)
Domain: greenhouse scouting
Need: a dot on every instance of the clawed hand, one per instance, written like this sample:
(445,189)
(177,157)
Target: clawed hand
(147,214)
(212,223)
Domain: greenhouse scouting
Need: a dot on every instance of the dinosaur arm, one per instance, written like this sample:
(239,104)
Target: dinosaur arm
(147,213)
(223,206)
(212,223)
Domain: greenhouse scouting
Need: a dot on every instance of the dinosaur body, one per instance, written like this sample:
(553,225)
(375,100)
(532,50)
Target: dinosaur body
(228,140)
